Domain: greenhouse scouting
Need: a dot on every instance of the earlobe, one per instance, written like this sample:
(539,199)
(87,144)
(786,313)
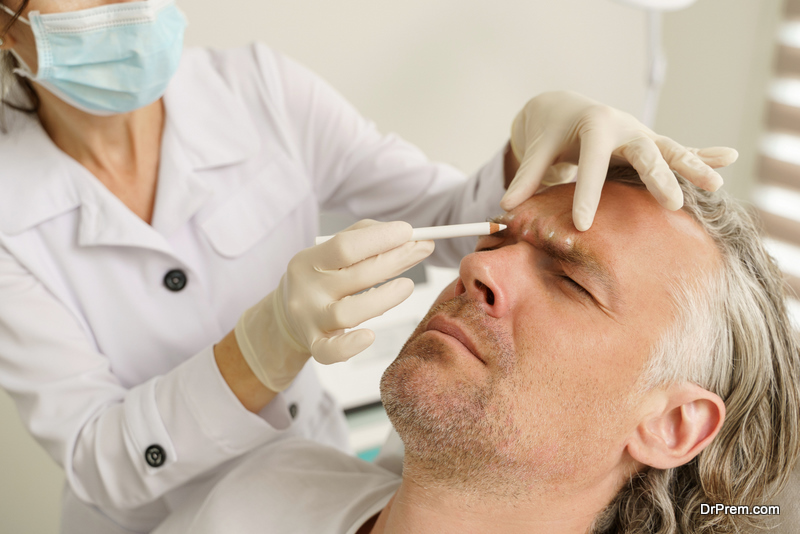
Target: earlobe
(687,419)
(6,42)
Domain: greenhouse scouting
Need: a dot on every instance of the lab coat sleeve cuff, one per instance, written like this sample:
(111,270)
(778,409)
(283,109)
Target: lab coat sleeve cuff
(206,422)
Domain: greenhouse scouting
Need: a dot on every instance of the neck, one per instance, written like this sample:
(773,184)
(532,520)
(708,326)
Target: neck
(422,506)
(111,143)
(121,151)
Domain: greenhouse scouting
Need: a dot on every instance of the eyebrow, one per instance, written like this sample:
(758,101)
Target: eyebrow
(583,261)
(576,255)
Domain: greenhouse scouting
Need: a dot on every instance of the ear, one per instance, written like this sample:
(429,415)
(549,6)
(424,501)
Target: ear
(8,41)
(8,37)
(683,422)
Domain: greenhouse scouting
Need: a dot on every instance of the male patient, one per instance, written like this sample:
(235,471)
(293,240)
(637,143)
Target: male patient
(609,381)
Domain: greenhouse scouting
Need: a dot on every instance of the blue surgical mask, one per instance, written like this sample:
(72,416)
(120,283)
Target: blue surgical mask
(109,59)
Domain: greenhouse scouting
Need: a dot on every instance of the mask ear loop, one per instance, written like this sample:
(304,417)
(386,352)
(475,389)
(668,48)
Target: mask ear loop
(14,17)
(24,69)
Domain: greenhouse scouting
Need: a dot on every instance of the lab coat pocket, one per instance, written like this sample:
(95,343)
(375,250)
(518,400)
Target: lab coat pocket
(255,210)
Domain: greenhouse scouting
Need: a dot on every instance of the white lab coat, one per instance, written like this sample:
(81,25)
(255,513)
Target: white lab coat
(292,486)
(103,360)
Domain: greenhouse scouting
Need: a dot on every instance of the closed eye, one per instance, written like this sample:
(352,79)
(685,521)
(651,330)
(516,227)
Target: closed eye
(575,286)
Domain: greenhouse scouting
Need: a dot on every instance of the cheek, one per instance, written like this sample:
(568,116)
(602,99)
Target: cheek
(569,367)
(448,293)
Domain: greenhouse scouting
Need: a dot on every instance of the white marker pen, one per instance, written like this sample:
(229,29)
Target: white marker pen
(444,232)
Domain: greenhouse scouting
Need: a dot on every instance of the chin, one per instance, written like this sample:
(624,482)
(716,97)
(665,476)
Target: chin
(431,407)
(451,434)
(411,376)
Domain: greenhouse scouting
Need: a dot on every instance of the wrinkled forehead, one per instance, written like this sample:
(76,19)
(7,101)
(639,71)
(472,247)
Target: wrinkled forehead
(640,242)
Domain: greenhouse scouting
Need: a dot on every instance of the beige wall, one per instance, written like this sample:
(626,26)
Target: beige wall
(720,54)
(450,75)
(30,482)
(447,75)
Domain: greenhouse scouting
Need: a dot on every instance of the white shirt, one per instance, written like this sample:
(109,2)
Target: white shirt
(289,487)
(103,360)
(298,487)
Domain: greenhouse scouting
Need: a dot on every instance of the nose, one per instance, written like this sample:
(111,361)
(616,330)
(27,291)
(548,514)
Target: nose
(487,278)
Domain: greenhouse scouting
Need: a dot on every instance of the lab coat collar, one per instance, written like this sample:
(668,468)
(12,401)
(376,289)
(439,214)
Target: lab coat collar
(105,220)
(40,183)
(212,123)
(207,126)
(35,182)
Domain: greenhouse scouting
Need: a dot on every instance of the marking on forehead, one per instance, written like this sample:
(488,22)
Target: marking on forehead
(570,250)
(545,232)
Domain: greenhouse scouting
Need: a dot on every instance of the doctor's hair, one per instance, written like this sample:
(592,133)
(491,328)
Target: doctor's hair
(731,336)
(9,80)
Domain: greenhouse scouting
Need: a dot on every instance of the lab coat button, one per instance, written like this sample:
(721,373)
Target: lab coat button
(175,280)
(155,456)
(293,410)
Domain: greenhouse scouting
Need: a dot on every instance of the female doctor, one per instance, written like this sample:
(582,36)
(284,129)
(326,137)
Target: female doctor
(149,196)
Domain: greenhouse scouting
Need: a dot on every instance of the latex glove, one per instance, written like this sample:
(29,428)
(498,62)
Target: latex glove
(315,301)
(565,127)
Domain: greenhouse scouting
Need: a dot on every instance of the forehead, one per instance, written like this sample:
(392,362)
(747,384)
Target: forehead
(641,243)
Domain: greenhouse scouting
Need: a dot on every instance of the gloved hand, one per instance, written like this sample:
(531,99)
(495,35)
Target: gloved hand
(315,300)
(565,127)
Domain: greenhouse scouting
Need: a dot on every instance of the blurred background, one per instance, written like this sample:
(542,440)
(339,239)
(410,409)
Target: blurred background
(450,76)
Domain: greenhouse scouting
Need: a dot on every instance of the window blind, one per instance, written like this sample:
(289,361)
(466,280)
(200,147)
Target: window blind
(777,194)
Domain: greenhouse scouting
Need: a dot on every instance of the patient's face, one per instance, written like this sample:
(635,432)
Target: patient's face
(528,363)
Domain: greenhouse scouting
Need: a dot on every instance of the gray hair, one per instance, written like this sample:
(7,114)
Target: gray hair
(733,337)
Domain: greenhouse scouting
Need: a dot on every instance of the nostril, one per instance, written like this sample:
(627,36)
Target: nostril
(459,289)
(489,295)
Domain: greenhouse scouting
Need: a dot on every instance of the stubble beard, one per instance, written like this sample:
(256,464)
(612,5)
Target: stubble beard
(463,436)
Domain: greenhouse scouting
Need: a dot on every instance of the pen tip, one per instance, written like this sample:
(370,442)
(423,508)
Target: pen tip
(502,227)
(496,227)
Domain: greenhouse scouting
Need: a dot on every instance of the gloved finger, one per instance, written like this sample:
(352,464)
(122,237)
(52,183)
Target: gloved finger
(517,136)
(592,169)
(688,165)
(643,154)
(363,223)
(377,269)
(341,347)
(538,157)
(717,156)
(560,173)
(353,246)
(351,311)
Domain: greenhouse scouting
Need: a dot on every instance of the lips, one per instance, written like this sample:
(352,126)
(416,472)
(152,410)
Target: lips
(446,326)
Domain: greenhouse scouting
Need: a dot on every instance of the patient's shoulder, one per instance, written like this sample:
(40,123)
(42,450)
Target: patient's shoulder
(298,454)
(294,485)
